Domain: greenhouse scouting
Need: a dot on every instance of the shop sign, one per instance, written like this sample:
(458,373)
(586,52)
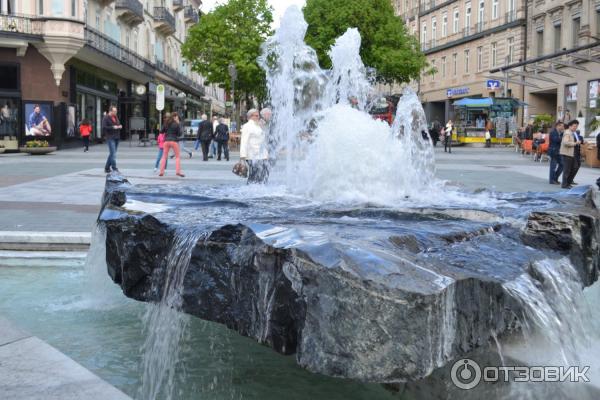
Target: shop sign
(593,93)
(457,91)
(160,97)
(493,84)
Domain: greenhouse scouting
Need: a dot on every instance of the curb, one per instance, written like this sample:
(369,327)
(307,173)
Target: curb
(45,241)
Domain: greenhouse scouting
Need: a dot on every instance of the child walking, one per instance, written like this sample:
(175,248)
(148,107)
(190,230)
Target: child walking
(85,129)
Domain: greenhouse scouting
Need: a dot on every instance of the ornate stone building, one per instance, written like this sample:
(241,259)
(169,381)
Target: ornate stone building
(77,57)
(463,40)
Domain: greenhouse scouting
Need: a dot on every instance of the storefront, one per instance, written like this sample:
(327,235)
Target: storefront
(10,106)
(94,96)
(472,114)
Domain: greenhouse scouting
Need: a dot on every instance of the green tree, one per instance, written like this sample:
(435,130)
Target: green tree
(232,32)
(386,45)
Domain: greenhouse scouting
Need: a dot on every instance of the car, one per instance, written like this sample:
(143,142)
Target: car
(190,127)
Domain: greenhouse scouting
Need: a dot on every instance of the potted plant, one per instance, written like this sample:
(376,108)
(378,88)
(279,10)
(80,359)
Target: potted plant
(34,147)
(542,123)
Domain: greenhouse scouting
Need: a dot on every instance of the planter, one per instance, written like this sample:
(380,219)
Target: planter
(2,150)
(37,150)
(591,156)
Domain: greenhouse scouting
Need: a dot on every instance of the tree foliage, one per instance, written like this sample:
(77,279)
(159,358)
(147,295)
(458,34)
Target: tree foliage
(386,45)
(232,32)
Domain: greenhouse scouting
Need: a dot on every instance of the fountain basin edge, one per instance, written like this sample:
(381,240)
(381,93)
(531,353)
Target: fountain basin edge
(305,298)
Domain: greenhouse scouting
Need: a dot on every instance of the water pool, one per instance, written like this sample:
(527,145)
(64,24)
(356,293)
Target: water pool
(216,363)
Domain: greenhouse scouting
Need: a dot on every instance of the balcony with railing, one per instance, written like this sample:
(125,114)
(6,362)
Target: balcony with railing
(164,21)
(477,30)
(181,78)
(19,24)
(178,5)
(130,12)
(114,49)
(190,15)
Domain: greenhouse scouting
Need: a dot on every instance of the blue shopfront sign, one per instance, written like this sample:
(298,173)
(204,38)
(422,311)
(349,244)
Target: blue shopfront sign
(493,84)
(457,91)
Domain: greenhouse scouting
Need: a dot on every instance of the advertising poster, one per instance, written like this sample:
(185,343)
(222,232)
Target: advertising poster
(37,118)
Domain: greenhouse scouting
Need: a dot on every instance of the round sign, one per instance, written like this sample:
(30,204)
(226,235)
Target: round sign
(140,90)
(160,97)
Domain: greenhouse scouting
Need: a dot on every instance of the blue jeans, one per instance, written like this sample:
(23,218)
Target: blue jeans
(111,161)
(197,144)
(556,167)
(159,157)
(213,148)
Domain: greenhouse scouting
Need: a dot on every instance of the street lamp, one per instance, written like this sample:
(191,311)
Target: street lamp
(233,75)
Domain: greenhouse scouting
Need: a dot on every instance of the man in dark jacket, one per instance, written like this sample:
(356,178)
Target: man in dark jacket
(222,138)
(205,135)
(111,130)
(556,166)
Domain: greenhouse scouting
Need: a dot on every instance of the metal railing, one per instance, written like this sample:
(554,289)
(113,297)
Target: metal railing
(177,4)
(20,23)
(162,14)
(112,48)
(167,69)
(510,16)
(191,15)
(134,6)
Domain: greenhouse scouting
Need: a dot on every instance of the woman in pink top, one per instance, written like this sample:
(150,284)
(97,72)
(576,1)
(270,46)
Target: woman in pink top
(161,148)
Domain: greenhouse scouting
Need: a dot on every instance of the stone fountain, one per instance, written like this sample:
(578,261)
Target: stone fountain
(371,271)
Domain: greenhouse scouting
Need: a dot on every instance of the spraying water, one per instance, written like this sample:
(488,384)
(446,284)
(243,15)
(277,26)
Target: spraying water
(164,326)
(334,150)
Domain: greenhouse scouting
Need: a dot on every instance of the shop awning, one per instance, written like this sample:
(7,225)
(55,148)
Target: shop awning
(474,103)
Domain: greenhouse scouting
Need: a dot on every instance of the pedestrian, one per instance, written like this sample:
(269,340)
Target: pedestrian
(205,135)
(488,138)
(160,140)
(253,148)
(111,130)
(173,132)
(222,138)
(213,143)
(85,129)
(556,165)
(448,137)
(197,143)
(570,151)
(434,132)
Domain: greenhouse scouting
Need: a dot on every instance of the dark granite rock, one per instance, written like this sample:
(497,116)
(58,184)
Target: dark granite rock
(381,302)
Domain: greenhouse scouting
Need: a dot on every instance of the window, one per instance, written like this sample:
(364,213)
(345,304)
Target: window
(468,17)
(454,60)
(9,77)
(540,42)
(97,19)
(510,44)
(424,37)
(494,55)
(480,59)
(494,9)
(58,7)
(455,22)
(135,40)
(433,70)
(467,61)
(127,39)
(576,27)
(433,31)
(557,37)
(445,24)
(511,13)
(480,16)
(443,67)
(598,23)
(40,7)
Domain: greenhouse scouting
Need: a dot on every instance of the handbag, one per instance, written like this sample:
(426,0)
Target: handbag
(240,169)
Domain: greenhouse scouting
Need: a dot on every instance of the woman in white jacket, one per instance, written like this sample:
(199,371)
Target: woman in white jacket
(253,148)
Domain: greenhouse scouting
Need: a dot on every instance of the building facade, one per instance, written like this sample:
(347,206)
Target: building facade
(563,67)
(75,58)
(463,40)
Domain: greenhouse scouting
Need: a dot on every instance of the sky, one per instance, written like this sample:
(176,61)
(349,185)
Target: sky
(279,7)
